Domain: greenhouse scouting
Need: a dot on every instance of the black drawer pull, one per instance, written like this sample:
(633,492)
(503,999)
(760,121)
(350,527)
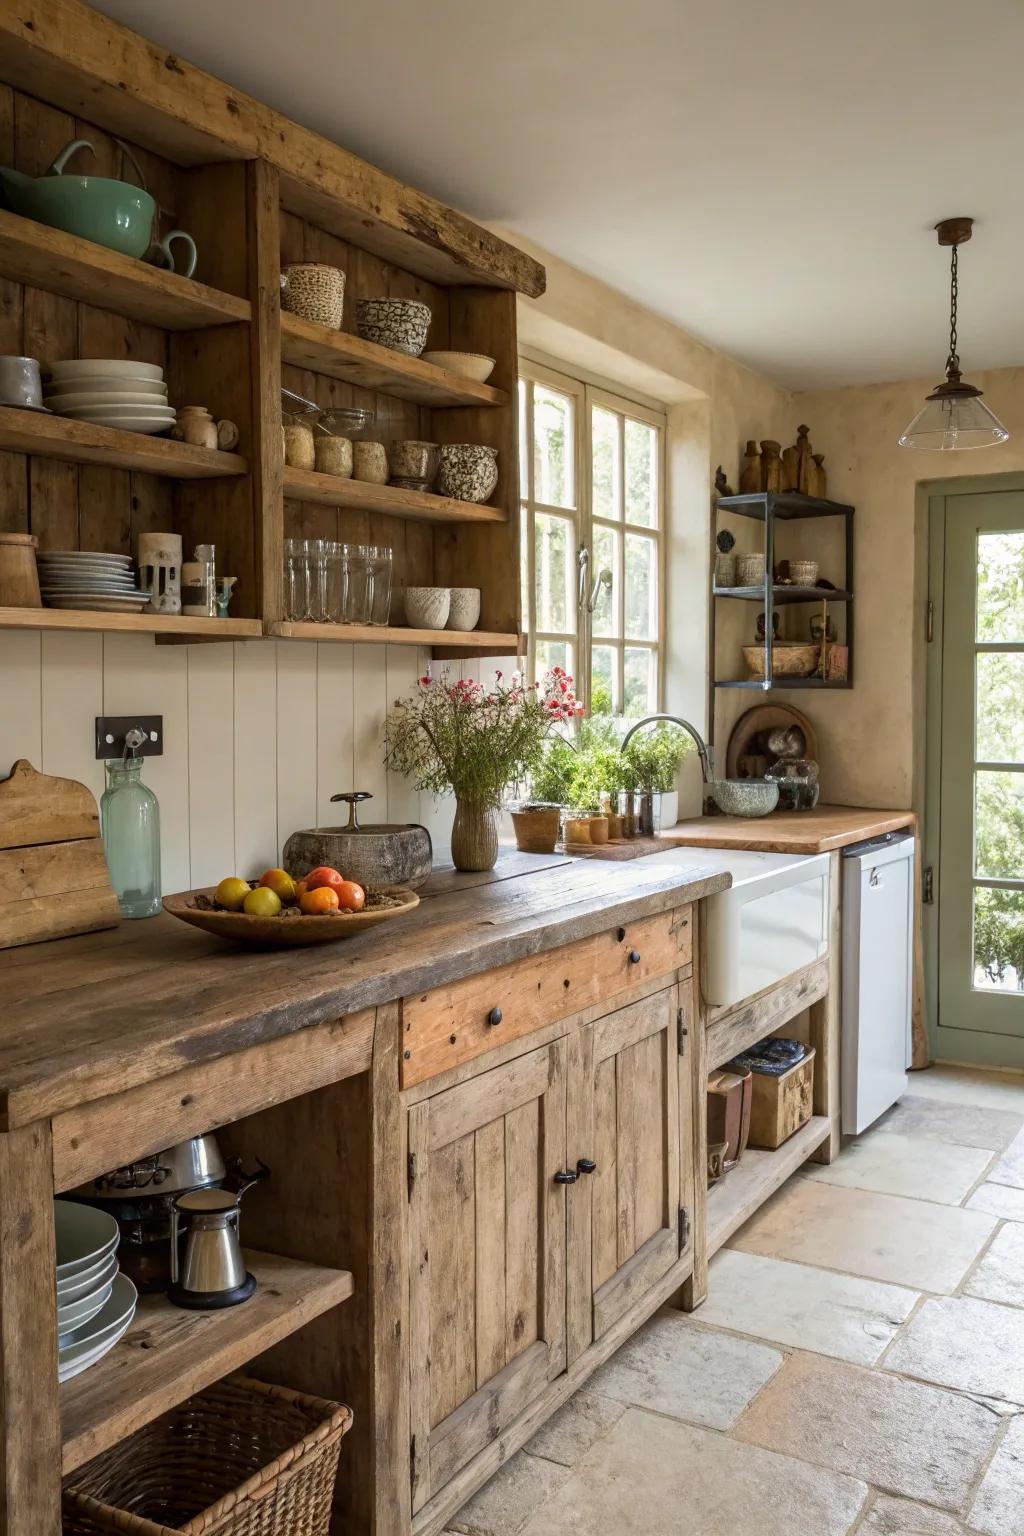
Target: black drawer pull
(620,934)
(566,1176)
(634,957)
(586,1165)
(494,1018)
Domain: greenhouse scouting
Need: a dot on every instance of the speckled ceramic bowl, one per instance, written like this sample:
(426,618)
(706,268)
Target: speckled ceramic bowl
(401,324)
(744,797)
(468,472)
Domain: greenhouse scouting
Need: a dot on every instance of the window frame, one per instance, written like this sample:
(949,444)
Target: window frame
(586,393)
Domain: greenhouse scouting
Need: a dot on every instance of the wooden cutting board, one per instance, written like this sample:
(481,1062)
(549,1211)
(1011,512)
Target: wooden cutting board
(53,874)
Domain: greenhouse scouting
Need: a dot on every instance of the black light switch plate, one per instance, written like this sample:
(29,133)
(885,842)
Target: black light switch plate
(111,731)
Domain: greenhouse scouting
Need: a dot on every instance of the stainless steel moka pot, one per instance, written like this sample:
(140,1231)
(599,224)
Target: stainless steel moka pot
(212,1272)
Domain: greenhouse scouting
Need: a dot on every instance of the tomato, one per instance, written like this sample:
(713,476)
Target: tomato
(323,875)
(351,897)
(315,903)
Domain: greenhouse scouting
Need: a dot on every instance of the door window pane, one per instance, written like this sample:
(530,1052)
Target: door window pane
(606,604)
(641,588)
(524,571)
(641,474)
(553,548)
(524,477)
(553,448)
(998,940)
(1000,706)
(607,470)
(553,653)
(638,682)
(602,680)
(999,826)
(1001,586)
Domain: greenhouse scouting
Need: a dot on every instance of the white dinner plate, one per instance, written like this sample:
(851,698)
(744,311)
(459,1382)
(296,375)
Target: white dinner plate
(91,603)
(85,1345)
(89,385)
(105,367)
(75,1314)
(149,424)
(97,410)
(65,403)
(74,555)
(66,1369)
(87,1281)
(84,1237)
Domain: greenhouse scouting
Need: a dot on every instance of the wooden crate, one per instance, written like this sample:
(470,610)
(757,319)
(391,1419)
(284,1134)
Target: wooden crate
(781,1105)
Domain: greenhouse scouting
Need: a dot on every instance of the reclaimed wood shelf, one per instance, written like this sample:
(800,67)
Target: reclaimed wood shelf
(782,595)
(82,442)
(181,626)
(79,269)
(392,500)
(757,1175)
(374,634)
(783,682)
(343,356)
(169,1354)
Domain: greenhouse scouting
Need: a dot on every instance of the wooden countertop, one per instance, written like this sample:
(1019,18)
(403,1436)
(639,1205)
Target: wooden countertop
(817,831)
(95,1015)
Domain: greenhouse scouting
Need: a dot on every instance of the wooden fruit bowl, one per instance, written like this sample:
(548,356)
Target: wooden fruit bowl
(284,932)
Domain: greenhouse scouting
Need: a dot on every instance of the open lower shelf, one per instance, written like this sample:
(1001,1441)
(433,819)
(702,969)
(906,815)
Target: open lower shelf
(79,269)
(460,639)
(180,625)
(343,356)
(757,1175)
(392,500)
(81,442)
(169,1354)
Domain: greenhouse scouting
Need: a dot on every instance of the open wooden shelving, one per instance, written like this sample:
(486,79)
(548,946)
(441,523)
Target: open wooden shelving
(169,1354)
(757,1175)
(391,500)
(83,442)
(79,269)
(783,595)
(340,355)
(458,639)
(181,626)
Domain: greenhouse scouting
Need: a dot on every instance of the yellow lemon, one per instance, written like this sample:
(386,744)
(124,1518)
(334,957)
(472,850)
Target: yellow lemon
(232,892)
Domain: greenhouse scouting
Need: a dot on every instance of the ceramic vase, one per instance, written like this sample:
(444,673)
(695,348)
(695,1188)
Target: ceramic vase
(474,836)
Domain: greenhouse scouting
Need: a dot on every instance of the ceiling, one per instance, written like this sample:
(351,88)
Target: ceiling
(766,177)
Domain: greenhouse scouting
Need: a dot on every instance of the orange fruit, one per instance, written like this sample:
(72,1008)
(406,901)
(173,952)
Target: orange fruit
(351,897)
(315,903)
(281,883)
(324,875)
(300,890)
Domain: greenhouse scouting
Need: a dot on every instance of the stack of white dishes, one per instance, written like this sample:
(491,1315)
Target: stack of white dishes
(95,1302)
(97,583)
(110,393)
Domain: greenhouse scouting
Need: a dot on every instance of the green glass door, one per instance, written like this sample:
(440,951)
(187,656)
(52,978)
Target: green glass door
(980,884)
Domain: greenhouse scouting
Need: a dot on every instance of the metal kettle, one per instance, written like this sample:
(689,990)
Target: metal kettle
(212,1273)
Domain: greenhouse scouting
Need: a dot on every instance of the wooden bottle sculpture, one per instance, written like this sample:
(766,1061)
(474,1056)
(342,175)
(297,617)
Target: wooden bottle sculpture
(816,479)
(803,460)
(791,468)
(750,474)
(771,465)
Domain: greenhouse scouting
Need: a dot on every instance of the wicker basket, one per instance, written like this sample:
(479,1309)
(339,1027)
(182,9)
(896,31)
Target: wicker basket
(789,659)
(240,1459)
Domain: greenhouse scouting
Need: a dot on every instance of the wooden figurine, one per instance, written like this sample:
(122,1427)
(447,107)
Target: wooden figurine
(722,486)
(791,468)
(803,459)
(816,481)
(771,465)
(750,474)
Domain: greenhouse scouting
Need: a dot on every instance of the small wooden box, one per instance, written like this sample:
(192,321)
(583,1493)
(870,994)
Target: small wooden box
(781,1105)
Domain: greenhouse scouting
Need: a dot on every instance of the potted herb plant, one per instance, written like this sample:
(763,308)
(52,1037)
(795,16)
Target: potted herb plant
(476,742)
(656,757)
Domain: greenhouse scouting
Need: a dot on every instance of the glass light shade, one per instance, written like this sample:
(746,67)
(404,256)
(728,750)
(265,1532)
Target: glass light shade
(955,416)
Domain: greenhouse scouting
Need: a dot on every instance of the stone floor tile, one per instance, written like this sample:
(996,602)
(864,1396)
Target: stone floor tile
(965,1343)
(675,1366)
(1010,1167)
(900,1517)
(882,1237)
(798,1305)
(999,1505)
(504,1505)
(899,1435)
(999,1200)
(965,1125)
(969,1085)
(905,1164)
(1000,1275)
(573,1429)
(653,1476)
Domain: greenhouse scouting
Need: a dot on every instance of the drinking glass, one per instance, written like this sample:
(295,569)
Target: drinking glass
(358,583)
(335,608)
(294,579)
(381,571)
(318,556)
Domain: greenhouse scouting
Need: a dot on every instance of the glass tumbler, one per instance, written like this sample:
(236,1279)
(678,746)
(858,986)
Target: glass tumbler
(335,608)
(358,583)
(381,571)
(318,553)
(295,579)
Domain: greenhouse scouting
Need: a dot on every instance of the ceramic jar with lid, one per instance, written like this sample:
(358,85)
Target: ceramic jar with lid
(468,471)
(314,291)
(333,455)
(299,452)
(370,463)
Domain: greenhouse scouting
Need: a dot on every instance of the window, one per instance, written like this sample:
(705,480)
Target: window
(592,485)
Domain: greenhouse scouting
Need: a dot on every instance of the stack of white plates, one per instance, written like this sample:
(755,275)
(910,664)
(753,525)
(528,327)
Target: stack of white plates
(95,1302)
(110,393)
(98,583)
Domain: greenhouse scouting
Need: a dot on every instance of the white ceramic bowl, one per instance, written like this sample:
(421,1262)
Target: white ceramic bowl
(86,1281)
(466,365)
(96,412)
(91,387)
(75,1314)
(427,607)
(465,608)
(106,368)
(84,1237)
(146,425)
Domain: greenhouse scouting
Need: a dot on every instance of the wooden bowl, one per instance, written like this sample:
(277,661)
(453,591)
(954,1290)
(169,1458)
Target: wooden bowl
(789,659)
(283,932)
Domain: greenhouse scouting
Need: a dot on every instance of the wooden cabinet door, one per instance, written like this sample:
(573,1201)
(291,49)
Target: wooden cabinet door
(487,1258)
(624,1116)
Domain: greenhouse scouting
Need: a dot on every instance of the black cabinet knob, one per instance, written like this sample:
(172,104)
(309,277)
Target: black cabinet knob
(634,957)
(620,934)
(566,1176)
(494,1017)
(586,1165)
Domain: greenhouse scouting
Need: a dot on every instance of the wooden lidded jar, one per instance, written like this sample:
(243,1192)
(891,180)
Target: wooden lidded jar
(19,578)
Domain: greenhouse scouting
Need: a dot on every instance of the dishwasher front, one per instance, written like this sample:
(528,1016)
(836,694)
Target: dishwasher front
(878,970)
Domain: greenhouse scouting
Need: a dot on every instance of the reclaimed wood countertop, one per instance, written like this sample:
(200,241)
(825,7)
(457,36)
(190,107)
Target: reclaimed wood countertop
(817,831)
(91,1016)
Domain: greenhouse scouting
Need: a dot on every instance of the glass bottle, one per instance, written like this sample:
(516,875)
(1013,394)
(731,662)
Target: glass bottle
(130,824)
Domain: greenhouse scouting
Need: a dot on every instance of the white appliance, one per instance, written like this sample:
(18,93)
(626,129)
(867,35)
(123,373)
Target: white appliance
(878,967)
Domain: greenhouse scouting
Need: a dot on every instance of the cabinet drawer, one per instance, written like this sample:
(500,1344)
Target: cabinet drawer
(450,1025)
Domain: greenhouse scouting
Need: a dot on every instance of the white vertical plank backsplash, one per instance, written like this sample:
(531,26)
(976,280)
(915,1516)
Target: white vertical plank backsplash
(335,766)
(402,667)
(370,704)
(71,679)
(21,725)
(211,755)
(296,738)
(255,766)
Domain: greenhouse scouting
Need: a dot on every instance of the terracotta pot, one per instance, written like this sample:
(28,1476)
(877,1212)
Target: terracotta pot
(599,830)
(537,829)
(474,836)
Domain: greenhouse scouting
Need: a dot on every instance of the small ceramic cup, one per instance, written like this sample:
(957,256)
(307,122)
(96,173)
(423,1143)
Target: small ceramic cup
(427,607)
(20,383)
(465,608)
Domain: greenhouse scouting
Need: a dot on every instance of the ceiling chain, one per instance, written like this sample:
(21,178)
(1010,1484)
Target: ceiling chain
(953,361)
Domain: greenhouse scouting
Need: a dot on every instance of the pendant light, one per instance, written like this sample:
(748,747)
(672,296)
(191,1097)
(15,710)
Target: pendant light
(954,415)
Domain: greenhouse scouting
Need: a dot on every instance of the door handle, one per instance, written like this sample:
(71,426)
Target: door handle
(586,1165)
(566,1176)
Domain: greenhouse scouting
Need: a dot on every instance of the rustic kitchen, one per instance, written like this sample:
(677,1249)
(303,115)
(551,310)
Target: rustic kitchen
(512,996)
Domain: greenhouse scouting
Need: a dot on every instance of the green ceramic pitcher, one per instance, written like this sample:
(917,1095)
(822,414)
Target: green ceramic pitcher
(112,213)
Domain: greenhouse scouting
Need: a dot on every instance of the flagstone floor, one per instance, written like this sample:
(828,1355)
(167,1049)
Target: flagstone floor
(858,1366)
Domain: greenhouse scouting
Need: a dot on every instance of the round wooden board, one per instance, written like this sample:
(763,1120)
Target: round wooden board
(765,717)
(283,932)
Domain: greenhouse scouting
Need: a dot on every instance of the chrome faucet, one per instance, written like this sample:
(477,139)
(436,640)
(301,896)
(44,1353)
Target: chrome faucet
(703,750)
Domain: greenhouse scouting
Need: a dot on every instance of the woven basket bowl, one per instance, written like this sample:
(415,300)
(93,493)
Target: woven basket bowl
(788,660)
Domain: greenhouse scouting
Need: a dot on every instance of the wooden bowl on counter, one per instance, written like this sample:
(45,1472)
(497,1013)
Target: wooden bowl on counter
(292,931)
